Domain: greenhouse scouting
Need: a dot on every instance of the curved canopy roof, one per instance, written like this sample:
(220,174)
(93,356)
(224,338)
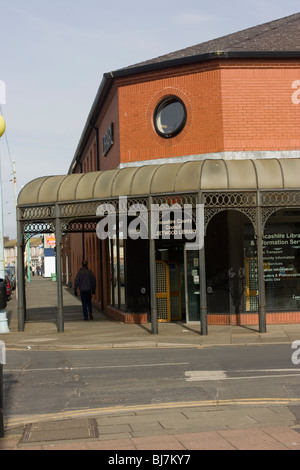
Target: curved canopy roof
(165,178)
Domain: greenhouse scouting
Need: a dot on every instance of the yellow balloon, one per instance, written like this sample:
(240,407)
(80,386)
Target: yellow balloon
(2,126)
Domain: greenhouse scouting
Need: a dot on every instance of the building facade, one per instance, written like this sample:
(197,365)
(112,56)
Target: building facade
(34,253)
(216,127)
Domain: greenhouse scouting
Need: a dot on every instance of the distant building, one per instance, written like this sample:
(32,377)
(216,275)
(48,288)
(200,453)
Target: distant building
(10,252)
(35,255)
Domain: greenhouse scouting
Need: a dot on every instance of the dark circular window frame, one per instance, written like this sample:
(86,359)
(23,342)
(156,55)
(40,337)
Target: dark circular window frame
(160,106)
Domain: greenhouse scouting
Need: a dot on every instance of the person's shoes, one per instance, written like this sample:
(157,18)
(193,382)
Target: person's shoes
(91,316)
(85,319)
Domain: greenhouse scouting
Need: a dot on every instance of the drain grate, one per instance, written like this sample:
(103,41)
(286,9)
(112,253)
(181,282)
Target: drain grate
(67,429)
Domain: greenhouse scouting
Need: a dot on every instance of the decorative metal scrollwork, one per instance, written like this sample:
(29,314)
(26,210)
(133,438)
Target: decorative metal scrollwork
(266,212)
(79,209)
(230,199)
(82,215)
(210,212)
(37,213)
(281,198)
(78,226)
(32,229)
(178,199)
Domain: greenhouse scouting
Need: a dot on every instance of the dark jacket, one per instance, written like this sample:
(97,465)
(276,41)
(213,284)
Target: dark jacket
(85,280)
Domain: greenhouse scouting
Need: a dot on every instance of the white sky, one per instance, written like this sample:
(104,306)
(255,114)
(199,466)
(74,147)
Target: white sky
(54,54)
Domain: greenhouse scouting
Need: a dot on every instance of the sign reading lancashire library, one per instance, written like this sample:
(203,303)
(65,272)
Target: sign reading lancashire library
(281,245)
(282,257)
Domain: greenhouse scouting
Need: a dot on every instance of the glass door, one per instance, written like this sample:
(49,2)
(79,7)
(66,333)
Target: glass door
(192,285)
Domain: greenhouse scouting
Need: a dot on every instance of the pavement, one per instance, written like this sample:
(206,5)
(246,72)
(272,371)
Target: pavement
(246,424)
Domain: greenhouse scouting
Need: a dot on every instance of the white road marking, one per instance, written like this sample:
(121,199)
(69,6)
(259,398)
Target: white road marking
(194,375)
(203,375)
(129,366)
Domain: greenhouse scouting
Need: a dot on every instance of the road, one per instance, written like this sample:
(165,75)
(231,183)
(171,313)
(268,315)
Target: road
(43,382)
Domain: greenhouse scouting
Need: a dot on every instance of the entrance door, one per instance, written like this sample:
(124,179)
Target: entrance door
(168,291)
(192,285)
(163,292)
(175,290)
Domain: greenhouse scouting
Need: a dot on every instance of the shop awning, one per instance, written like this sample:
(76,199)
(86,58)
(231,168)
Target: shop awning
(166,178)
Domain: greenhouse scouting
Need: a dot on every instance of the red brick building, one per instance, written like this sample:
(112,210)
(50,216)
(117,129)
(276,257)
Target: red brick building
(220,122)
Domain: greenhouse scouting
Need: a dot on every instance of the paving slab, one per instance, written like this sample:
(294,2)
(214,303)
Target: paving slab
(251,439)
(210,440)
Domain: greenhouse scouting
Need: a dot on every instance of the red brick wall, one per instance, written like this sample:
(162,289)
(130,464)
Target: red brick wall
(258,112)
(200,93)
(237,106)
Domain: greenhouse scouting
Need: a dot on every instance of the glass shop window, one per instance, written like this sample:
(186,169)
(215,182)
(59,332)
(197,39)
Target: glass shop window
(281,247)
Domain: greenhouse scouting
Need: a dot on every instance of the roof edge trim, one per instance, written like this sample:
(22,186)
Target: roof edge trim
(204,57)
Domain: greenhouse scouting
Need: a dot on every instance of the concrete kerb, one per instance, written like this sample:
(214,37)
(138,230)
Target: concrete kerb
(273,426)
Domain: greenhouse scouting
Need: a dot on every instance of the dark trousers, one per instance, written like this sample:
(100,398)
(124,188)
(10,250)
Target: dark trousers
(86,300)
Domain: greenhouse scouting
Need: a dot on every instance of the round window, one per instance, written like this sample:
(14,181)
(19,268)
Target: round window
(169,117)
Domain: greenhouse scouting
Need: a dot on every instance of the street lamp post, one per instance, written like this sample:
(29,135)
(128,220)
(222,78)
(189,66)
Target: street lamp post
(3,318)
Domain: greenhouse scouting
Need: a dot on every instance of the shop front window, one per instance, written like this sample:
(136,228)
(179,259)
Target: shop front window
(281,248)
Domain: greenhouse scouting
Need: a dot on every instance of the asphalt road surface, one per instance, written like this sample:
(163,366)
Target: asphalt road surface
(42,382)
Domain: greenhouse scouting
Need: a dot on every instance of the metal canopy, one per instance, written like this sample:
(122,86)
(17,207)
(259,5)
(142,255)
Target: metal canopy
(189,176)
(67,203)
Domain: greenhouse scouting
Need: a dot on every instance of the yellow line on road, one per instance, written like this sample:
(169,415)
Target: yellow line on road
(84,413)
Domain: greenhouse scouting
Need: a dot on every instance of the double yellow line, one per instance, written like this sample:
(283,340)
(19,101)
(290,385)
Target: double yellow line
(85,413)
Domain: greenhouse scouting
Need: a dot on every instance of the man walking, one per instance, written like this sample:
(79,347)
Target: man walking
(86,282)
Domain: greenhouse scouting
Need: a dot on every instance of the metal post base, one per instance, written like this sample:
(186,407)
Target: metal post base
(3,322)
